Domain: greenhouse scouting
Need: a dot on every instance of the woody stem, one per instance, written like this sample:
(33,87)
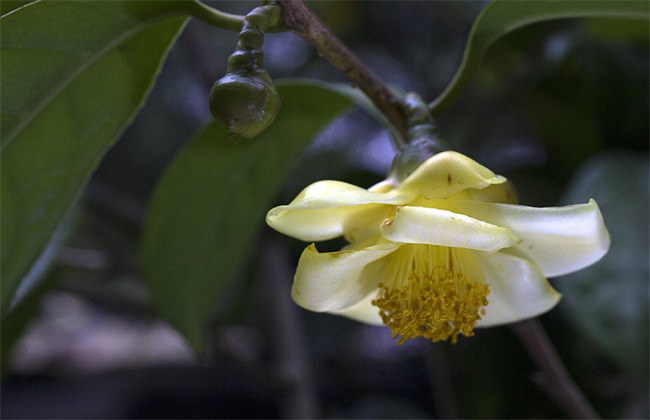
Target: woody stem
(556,381)
(301,20)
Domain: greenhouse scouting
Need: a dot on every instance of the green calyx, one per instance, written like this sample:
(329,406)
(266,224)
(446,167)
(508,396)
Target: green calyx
(423,141)
(245,99)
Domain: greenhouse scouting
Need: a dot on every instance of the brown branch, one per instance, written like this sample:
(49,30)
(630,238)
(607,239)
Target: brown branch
(292,366)
(441,382)
(556,381)
(301,20)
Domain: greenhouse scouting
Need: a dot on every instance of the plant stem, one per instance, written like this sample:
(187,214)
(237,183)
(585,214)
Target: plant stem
(297,386)
(301,20)
(441,382)
(214,17)
(556,381)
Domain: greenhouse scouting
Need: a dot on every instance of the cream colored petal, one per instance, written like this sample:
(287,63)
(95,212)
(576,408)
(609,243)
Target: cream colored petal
(321,210)
(447,173)
(422,225)
(363,311)
(382,187)
(364,223)
(559,239)
(518,289)
(495,193)
(329,282)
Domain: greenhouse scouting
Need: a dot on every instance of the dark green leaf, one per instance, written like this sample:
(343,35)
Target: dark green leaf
(501,17)
(46,257)
(353,94)
(212,200)
(7,6)
(357,97)
(18,320)
(609,300)
(73,76)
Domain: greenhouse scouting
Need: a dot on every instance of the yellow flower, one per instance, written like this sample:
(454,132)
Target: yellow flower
(443,252)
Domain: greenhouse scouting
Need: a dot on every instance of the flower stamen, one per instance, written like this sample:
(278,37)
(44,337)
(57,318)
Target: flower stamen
(436,302)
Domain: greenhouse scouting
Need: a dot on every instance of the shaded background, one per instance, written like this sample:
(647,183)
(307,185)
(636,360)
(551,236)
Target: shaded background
(560,108)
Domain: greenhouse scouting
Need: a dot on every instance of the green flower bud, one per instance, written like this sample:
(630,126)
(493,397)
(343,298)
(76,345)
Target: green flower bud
(246,99)
(422,140)
(245,104)
(411,156)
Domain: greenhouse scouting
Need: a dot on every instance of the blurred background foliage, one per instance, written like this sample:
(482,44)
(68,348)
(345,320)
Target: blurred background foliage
(561,108)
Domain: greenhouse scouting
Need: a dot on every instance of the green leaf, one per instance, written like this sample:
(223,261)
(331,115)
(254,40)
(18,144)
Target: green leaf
(74,74)
(357,97)
(42,264)
(212,200)
(501,17)
(609,300)
(15,323)
(7,6)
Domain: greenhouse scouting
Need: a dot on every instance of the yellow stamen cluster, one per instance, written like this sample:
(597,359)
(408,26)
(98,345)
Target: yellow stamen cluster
(437,305)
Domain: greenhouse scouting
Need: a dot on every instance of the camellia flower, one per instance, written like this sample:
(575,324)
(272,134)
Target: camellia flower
(438,254)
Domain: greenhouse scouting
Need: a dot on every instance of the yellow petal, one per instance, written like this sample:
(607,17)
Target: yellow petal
(518,289)
(559,240)
(321,211)
(495,193)
(363,311)
(363,224)
(447,173)
(383,186)
(423,225)
(327,282)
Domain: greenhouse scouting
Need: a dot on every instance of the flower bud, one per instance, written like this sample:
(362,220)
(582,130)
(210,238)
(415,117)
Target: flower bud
(412,155)
(422,140)
(246,104)
(246,99)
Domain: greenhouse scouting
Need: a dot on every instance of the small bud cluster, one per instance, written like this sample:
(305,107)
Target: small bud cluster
(246,99)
